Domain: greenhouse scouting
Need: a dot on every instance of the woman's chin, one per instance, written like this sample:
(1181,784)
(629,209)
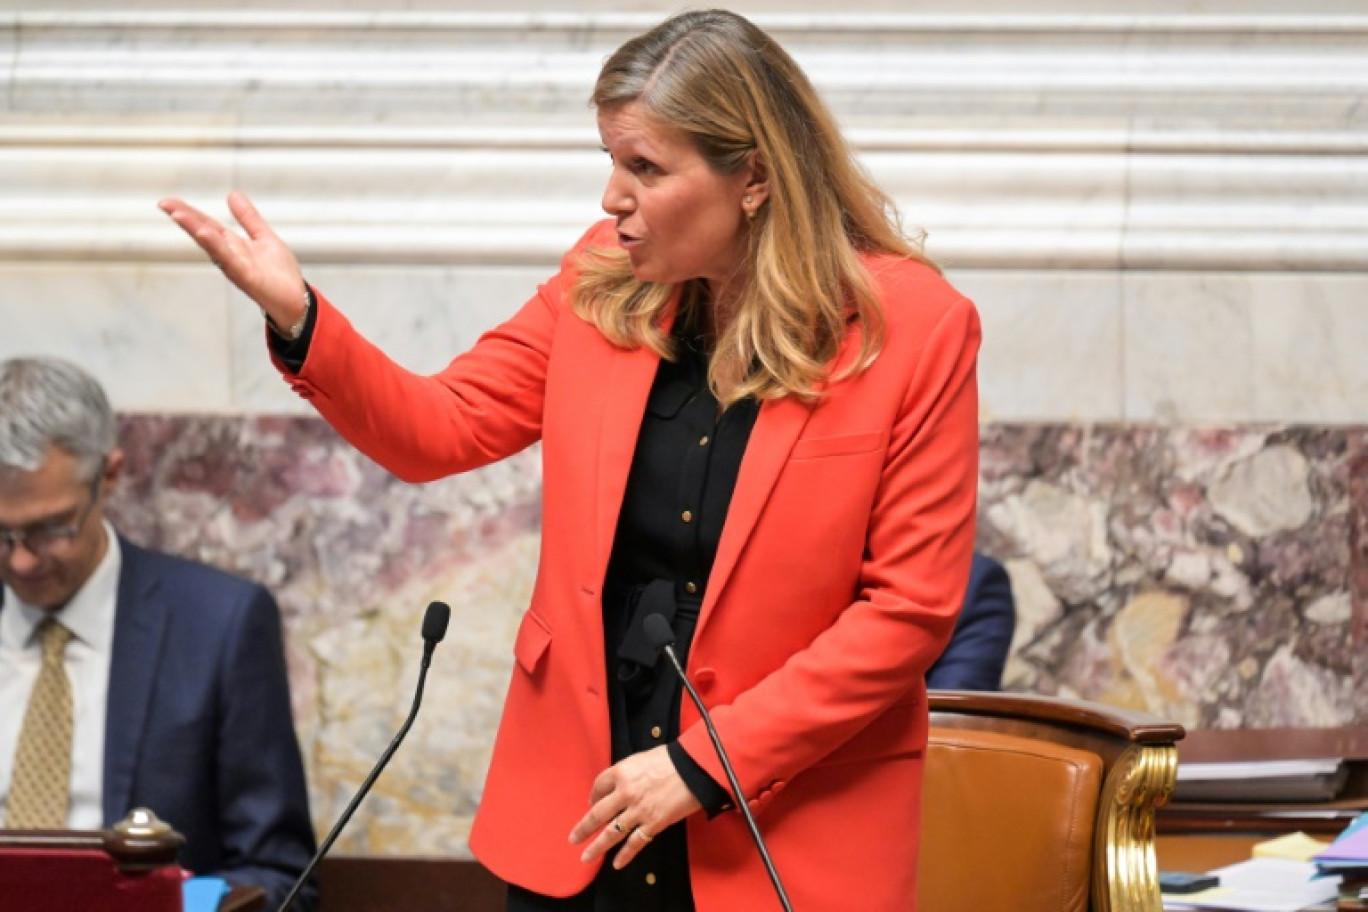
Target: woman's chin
(654,273)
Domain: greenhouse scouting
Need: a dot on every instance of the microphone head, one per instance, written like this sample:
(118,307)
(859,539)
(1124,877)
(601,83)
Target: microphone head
(658,631)
(435,622)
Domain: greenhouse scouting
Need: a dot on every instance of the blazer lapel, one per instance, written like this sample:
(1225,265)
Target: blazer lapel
(626,381)
(139,628)
(776,431)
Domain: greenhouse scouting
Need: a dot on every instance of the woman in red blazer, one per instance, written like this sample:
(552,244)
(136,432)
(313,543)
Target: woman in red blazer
(758,416)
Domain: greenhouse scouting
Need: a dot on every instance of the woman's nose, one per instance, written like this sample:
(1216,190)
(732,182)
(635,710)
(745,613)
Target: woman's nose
(616,199)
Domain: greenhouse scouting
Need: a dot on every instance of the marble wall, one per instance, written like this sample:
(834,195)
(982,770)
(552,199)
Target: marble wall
(1215,576)
(1162,216)
(354,556)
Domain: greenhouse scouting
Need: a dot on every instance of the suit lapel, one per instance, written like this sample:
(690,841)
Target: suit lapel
(776,431)
(629,380)
(139,628)
(626,381)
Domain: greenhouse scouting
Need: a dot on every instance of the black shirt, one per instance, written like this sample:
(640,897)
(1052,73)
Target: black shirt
(688,455)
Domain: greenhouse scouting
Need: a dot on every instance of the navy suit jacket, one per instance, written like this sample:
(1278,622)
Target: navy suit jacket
(199,727)
(977,652)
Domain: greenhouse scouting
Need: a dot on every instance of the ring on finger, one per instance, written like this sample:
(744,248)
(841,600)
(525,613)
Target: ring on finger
(617,824)
(645,836)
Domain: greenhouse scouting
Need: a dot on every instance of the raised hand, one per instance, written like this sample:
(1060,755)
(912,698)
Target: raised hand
(260,264)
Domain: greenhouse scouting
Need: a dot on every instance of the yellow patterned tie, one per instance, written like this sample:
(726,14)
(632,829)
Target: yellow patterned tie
(40,789)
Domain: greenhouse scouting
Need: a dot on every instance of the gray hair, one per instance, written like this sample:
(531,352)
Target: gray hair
(49,402)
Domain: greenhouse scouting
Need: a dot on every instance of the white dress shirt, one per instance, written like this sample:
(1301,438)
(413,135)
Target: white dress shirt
(90,617)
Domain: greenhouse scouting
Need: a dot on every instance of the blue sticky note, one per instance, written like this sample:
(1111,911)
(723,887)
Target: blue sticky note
(203,894)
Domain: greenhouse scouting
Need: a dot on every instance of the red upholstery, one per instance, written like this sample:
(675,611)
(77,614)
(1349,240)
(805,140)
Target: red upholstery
(85,879)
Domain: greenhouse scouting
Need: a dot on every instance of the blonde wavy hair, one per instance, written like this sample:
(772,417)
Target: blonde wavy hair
(735,92)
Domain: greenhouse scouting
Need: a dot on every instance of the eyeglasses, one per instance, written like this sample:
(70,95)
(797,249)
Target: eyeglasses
(42,540)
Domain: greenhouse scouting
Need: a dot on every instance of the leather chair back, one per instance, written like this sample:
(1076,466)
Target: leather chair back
(1041,803)
(1007,822)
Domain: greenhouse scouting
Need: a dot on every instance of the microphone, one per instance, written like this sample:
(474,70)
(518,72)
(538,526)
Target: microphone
(662,638)
(434,629)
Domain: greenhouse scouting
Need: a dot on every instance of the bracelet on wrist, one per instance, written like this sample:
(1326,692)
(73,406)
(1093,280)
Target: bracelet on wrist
(294,332)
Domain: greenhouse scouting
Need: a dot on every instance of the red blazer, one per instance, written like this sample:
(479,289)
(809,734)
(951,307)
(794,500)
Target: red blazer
(835,586)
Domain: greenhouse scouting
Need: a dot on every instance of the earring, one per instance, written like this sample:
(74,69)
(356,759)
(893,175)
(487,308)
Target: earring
(747,208)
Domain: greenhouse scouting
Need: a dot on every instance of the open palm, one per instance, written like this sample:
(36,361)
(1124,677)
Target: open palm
(260,264)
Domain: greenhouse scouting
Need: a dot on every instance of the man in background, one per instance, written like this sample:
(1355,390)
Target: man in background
(132,678)
(977,652)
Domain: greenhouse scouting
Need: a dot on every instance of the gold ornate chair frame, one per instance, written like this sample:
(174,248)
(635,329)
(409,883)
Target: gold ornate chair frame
(1127,758)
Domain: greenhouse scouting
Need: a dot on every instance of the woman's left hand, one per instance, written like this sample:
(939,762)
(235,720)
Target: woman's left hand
(633,801)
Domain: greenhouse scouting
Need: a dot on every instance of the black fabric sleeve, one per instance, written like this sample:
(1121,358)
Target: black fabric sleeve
(292,352)
(714,798)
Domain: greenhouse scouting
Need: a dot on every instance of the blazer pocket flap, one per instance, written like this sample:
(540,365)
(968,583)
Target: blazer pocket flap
(531,643)
(842,445)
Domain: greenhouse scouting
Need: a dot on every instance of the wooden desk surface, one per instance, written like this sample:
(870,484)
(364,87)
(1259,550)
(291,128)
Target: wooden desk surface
(1221,745)
(1197,853)
(1269,818)
(358,883)
(243,899)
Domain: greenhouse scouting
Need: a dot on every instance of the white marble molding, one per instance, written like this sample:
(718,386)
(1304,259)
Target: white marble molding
(1163,216)
(1024,140)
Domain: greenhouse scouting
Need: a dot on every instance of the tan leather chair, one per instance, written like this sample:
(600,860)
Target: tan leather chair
(1041,803)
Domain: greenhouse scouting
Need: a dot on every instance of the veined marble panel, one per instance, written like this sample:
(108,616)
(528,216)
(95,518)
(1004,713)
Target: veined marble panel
(180,339)
(1053,344)
(354,556)
(422,318)
(1217,576)
(1210,575)
(1189,350)
(1245,347)
(154,336)
(1059,345)
(1309,341)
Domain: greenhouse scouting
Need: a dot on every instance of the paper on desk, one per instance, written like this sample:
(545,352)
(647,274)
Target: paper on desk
(1261,780)
(1297,846)
(1258,769)
(203,894)
(1262,885)
(1352,845)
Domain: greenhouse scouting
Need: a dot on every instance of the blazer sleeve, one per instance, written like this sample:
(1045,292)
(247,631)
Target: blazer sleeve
(266,836)
(917,552)
(486,405)
(977,652)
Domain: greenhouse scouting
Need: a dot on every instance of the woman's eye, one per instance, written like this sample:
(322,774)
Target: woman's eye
(642,166)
